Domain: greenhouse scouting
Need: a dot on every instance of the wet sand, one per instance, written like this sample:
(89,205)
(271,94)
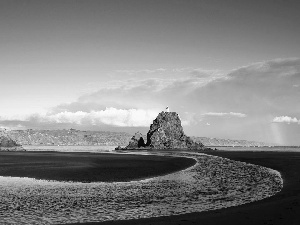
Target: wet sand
(88,167)
(212,183)
(282,208)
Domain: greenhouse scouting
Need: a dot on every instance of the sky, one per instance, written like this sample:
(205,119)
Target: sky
(230,69)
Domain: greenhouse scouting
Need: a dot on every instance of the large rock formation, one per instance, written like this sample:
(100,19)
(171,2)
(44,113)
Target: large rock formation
(165,132)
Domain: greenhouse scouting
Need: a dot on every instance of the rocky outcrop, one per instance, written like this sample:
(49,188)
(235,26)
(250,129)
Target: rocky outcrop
(7,144)
(165,132)
(136,141)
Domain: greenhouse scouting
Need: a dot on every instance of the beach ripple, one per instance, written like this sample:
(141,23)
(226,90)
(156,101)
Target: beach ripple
(212,183)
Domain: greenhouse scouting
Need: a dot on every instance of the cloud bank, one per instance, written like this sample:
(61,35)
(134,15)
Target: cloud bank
(222,114)
(286,119)
(109,116)
(241,104)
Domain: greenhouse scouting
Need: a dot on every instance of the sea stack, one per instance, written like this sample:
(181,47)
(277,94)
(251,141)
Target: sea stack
(165,132)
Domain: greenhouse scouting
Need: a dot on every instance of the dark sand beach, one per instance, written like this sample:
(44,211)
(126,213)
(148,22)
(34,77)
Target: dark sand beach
(283,208)
(88,167)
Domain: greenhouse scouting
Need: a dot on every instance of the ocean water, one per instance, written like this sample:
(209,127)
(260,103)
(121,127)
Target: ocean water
(70,148)
(269,149)
(109,148)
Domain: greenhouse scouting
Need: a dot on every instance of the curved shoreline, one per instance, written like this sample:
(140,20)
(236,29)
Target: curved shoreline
(192,190)
(282,208)
(275,172)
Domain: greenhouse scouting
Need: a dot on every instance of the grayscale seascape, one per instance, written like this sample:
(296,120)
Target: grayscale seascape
(149,112)
(213,183)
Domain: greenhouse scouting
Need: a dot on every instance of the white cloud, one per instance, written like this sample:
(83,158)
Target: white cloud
(109,116)
(222,114)
(258,89)
(261,90)
(137,93)
(285,119)
(20,117)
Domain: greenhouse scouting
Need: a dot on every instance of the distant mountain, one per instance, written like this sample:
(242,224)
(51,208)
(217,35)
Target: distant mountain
(227,142)
(102,138)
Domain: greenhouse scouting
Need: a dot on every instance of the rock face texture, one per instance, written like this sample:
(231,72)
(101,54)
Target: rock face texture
(165,132)
(6,143)
(136,141)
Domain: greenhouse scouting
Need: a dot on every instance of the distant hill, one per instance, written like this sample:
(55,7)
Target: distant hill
(68,137)
(8,144)
(102,138)
(227,142)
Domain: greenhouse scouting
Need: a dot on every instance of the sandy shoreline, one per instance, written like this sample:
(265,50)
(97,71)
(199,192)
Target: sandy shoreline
(282,208)
(211,184)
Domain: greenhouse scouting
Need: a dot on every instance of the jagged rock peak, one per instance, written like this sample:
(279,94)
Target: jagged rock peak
(167,125)
(165,132)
